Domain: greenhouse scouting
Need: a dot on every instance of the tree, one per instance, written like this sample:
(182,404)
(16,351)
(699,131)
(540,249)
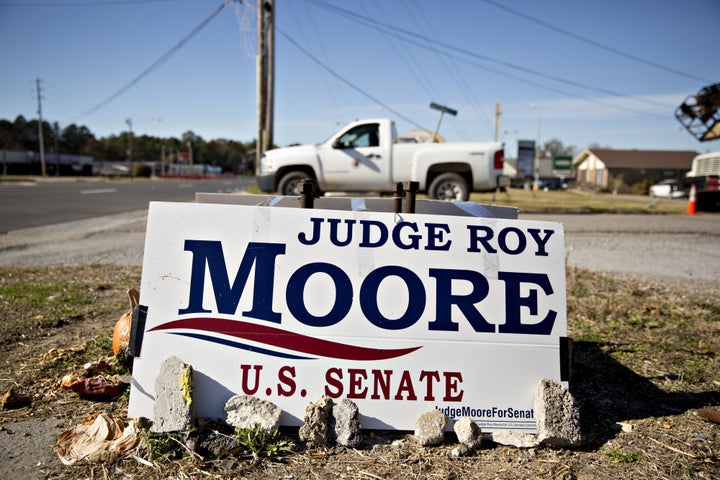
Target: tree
(555,148)
(190,136)
(598,146)
(22,134)
(238,158)
(76,139)
(147,148)
(6,136)
(113,148)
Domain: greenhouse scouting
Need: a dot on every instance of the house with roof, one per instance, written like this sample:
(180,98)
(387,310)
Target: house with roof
(618,170)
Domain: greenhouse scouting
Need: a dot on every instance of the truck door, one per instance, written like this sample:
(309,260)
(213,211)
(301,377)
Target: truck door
(357,160)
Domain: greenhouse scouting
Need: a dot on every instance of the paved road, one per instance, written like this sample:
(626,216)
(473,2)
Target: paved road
(52,201)
(669,247)
(678,247)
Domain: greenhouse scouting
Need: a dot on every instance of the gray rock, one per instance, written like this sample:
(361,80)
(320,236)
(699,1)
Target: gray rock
(515,439)
(558,416)
(458,452)
(173,409)
(314,431)
(245,411)
(430,428)
(468,432)
(214,444)
(344,426)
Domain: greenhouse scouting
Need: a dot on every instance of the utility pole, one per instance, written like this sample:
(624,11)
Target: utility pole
(265,77)
(56,128)
(538,147)
(190,158)
(43,172)
(498,119)
(130,152)
(260,71)
(270,81)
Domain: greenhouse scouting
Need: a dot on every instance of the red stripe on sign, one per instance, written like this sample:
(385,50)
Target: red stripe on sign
(284,339)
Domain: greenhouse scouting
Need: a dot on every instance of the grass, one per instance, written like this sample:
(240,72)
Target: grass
(645,353)
(618,456)
(577,201)
(570,201)
(642,323)
(261,443)
(61,301)
(35,299)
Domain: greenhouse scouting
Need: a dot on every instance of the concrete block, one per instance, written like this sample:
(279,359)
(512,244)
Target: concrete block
(344,425)
(173,409)
(558,416)
(430,428)
(245,411)
(314,431)
(468,432)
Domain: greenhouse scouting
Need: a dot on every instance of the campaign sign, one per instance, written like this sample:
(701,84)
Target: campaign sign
(400,313)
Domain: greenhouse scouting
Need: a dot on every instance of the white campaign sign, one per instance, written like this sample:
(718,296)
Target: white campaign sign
(400,313)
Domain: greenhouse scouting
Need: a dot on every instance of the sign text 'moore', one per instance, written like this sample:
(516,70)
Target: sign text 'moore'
(259,259)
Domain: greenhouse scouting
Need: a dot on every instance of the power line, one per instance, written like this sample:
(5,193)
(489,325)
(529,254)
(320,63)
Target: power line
(392,31)
(457,75)
(594,43)
(65,101)
(397,31)
(93,3)
(536,84)
(428,45)
(410,62)
(348,82)
(318,38)
(155,65)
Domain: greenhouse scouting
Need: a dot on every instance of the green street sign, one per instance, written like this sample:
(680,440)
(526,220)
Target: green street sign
(443,108)
(562,163)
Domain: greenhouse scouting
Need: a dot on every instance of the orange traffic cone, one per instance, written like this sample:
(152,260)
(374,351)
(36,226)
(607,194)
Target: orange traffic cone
(692,204)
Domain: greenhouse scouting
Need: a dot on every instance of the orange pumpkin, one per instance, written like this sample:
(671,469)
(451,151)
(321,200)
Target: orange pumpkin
(121,333)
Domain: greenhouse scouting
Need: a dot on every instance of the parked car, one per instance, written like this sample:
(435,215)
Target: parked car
(670,189)
(568,182)
(551,183)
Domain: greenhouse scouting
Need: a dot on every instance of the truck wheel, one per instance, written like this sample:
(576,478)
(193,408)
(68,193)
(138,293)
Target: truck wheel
(289,183)
(449,187)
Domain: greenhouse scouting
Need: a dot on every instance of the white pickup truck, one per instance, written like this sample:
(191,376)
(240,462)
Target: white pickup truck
(368,156)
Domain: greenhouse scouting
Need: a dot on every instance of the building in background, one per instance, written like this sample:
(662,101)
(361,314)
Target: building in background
(619,170)
(16,162)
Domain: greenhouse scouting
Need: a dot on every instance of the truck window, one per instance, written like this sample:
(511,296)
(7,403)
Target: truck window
(367,135)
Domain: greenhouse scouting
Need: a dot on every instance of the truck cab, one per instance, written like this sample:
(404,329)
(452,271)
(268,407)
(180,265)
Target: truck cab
(357,158)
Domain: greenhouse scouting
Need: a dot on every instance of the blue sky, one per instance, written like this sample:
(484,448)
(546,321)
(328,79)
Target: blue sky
(370,58)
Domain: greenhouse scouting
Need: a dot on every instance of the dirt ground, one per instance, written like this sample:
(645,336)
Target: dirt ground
(646,360)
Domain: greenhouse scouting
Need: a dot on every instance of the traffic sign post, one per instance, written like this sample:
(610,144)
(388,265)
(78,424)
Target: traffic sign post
(443,110)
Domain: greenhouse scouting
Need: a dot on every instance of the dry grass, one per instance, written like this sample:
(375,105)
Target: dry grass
(646,357)
(570,201)
(578,201)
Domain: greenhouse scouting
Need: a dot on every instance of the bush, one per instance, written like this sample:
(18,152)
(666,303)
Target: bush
(141,170)
(642,187)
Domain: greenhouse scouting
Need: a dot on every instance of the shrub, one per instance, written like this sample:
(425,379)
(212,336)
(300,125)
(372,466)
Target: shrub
(141,170)
(642,187)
